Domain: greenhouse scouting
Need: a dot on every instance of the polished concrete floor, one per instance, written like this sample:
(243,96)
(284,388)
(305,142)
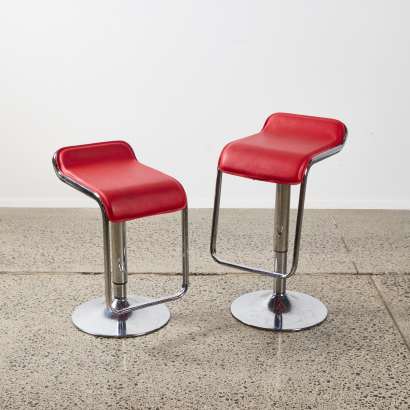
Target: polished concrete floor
(356,262)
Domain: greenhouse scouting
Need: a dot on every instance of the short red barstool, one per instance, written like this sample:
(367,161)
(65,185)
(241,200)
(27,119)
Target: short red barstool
(125,189)
(283,153)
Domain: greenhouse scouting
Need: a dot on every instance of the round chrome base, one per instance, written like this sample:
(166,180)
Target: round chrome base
(92,317)
(292,311)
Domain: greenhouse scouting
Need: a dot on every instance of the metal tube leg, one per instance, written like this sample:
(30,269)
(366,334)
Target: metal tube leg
(215,217)
(185,258)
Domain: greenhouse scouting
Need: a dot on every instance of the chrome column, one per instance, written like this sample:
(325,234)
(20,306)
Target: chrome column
(280,241)
(279,302)
(119,274)
(119,259)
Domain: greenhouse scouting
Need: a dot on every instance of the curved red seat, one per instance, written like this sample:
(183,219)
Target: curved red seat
(127,188)
(281,152)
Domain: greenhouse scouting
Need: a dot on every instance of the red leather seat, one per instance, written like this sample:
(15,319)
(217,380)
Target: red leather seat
(281,152)
(127,188)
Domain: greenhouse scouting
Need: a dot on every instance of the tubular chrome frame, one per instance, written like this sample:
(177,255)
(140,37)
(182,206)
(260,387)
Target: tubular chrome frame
(107,259)
(299,219)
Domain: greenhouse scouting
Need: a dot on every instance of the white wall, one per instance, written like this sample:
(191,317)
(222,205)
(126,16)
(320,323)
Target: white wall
(178,79)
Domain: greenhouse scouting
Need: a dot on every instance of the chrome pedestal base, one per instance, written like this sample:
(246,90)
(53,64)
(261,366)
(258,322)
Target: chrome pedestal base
(94,318)
(292,311)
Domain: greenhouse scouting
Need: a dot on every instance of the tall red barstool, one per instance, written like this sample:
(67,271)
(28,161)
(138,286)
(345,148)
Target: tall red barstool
(125,189)
(282,153)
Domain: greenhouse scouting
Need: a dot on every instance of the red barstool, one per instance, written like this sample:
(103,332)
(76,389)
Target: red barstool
(283,153)
(109,173)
